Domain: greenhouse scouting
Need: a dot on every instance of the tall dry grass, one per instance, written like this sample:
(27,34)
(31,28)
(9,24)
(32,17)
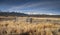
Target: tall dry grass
(11,27)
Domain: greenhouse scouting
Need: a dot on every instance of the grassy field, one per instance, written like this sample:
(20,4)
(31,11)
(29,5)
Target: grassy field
(38,26)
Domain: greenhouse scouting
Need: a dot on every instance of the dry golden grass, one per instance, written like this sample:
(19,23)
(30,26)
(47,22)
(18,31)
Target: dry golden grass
(11,27)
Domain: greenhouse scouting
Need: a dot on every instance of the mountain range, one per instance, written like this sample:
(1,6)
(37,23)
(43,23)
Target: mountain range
(23,14)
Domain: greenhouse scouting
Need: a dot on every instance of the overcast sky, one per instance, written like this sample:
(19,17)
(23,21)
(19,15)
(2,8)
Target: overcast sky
(31,6)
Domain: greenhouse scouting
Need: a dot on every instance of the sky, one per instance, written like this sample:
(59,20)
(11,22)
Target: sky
(51,7)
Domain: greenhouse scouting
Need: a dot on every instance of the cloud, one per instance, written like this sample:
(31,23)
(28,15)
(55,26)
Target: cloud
(34,13)
(36,7)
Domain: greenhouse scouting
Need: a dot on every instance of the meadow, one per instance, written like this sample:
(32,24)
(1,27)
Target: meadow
(25,26)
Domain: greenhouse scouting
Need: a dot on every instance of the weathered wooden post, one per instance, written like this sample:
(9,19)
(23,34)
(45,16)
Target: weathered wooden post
(15,20)
(29,20)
